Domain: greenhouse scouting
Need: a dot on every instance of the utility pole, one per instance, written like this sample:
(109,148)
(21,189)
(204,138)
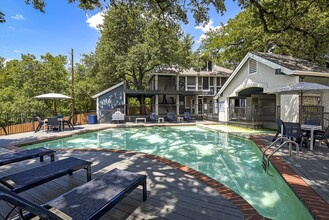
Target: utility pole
(72,85)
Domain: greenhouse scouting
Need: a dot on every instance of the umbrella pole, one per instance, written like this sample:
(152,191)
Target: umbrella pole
(55,111)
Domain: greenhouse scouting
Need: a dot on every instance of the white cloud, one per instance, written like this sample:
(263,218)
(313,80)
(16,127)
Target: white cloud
(17,51)
(205,28)
(18,17)
(95,20)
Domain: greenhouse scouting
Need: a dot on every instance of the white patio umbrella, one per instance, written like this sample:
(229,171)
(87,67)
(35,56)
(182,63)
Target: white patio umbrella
(52,96)
(302,88)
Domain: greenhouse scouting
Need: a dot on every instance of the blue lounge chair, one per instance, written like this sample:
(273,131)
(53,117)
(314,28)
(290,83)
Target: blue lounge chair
(171,117)
(153,117)
(27,179)
(13,156)
(89,201)
(187,117)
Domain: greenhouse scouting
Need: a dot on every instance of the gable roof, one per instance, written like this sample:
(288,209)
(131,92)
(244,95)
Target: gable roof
(293,63)
(288,65)
(108,90)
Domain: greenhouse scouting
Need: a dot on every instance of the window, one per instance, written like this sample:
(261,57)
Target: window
(190,83)
(252,66)
(205,83)
(181,83)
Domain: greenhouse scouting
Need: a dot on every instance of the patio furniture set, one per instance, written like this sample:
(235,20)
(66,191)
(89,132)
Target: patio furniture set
(305,133)
(81,202)
(54,123)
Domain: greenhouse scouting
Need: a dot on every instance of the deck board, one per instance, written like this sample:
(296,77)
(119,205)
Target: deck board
(172,194)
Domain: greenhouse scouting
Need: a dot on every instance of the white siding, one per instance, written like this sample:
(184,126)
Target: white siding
(264,78)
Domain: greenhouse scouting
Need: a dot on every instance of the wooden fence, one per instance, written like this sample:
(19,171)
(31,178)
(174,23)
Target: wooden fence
(30,126)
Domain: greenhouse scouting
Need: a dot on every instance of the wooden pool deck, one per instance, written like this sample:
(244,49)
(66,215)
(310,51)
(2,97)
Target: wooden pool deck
(173,193)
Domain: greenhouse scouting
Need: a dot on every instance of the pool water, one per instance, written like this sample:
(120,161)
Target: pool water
(231,160)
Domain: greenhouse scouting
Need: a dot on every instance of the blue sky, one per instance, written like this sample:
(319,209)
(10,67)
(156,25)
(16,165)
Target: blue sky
(65,26)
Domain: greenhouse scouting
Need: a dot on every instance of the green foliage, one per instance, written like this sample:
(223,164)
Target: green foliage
(134,42)
(21,80)
(303,35)
(169,10)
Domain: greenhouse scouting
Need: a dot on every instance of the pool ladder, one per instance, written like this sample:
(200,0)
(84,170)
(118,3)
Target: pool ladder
(284,141)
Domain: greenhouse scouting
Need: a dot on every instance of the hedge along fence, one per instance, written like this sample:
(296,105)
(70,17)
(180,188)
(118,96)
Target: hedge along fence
(14,128)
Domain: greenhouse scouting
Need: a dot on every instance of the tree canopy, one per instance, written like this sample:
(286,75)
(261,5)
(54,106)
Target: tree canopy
(304,35)
(134,42)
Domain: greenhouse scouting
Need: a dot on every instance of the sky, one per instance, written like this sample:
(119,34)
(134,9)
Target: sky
(64,26)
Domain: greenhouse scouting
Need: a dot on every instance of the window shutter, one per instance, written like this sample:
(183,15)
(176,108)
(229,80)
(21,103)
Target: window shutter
(252,66)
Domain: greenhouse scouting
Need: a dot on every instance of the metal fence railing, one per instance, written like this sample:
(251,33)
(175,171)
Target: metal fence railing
(253,114)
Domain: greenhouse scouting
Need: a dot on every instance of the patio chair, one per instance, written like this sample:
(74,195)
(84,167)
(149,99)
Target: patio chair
(53,123)
(13,156)
(27,179)
(171,117)
(293,131)
(69,123)
(41,123)
(153,117)
(321,136)
(187,117)
(280,126)
(89,201)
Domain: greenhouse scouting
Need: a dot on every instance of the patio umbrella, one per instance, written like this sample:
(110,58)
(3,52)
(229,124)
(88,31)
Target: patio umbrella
(52,96)
(300,89)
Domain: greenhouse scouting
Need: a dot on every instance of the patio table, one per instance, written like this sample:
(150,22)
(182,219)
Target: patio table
(311,128)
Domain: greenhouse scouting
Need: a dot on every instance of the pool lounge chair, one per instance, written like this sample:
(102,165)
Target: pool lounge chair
(13,156)
(153,117)
(27,179)
(187,117)
(171,117)
(88,201)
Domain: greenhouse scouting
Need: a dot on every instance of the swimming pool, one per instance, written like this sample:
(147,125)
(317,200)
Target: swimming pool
(233,161)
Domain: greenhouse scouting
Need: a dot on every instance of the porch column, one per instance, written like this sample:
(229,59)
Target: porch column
(177,104)
(196,107)
(157,104)
(156,82)
(177,82)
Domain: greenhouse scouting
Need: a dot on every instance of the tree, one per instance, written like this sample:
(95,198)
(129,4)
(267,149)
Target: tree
(86,84)
(23,79)
(174,10)
(245,33)
(134,42)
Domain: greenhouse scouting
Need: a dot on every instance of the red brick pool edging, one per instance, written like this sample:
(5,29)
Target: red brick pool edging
(247,210)
(316,205)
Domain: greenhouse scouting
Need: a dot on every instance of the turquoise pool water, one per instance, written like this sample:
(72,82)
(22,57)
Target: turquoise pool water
(233,161)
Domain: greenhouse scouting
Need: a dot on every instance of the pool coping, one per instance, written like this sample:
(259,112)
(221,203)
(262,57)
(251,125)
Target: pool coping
(316,205)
